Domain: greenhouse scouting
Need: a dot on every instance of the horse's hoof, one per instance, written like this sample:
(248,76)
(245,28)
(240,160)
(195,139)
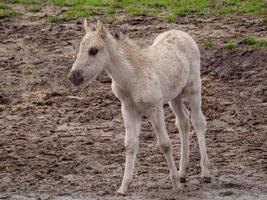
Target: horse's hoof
(206,179)
(120,192)
(182,180)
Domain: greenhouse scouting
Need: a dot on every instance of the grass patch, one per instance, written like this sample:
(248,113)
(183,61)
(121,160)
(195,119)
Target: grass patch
(27,72)
(154,11)
(34,9)
(263,43)
(250,41)
(111,10)
(156,4)
(7,13)
(26,1)
(52,19)
(33,18)
(3,6)
(253,42)
(170,18)
(77,12)
(64,2)
(133,11)
(230,45)
(169,9)
(226,10)
(253,6)
(207,44)
(184,7)
(179,10)
(81,2)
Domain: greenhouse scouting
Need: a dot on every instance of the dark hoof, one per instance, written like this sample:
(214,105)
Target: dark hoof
(182,180)
(120,193)
(206,179)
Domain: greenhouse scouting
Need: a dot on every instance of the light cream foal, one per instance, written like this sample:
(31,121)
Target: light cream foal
(144,80)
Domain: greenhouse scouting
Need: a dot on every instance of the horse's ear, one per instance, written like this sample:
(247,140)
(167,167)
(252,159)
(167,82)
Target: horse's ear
(87,27)
(101,30)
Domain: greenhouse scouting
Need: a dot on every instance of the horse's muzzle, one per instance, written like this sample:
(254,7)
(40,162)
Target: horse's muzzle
(76,77)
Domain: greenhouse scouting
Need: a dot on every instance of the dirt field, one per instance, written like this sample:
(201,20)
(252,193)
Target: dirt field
(62,142)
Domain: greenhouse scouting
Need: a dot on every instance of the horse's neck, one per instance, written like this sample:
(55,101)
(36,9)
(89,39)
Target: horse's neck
(122,68)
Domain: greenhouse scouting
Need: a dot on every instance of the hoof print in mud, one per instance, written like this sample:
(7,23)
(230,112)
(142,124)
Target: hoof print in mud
(182,180)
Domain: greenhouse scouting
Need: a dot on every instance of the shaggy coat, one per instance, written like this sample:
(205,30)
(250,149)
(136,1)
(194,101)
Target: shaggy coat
(144,79)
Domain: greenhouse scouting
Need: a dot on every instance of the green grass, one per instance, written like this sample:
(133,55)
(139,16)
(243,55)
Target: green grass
(263,43)
(251,41)
(170,18)
(26,1)
(27,72)
(7,13)
(171,7)
(207,44)
(33,18)
(81,2)
(64,2)
(52,19)
(133,10)
(34,9)
(226,10)
(168,9)
(77,12)
(74,12)
(254,42)
(230,45)
(184,7)
(3,6)
(112,9)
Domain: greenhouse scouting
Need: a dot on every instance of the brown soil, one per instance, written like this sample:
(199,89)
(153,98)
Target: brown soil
(60,142)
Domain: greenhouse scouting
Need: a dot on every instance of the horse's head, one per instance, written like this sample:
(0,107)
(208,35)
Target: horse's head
(93,56)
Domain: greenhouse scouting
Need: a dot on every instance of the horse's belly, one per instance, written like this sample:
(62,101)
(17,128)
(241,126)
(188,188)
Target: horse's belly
(172,91)
(174,78)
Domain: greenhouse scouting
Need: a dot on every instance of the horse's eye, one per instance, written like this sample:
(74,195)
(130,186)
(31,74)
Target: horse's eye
(93,51)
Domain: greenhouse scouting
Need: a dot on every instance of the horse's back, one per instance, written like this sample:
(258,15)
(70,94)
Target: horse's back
(181,40)
(177,60)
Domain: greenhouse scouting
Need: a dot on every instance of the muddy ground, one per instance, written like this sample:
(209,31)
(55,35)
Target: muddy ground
(62,142)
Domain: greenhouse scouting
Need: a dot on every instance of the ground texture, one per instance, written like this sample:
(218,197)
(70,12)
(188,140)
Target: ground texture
(60,142)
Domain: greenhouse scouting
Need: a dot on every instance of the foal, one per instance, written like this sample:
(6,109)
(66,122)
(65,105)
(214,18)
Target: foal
(143,80)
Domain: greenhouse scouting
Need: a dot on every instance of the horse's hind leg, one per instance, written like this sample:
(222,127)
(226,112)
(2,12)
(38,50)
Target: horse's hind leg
(193,92)
(156,117)
(182,123)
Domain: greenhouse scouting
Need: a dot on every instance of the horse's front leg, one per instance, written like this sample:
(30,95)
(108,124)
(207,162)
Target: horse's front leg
(132,121)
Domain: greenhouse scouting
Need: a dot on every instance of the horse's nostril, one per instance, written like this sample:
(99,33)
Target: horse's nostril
(76,77)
